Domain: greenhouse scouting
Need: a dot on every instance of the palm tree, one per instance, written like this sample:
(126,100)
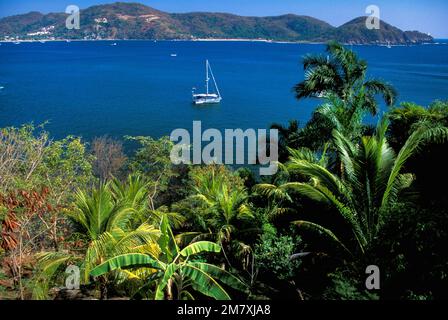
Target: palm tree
(342,73)
(289,137)
(404,119)
(106,223)
(333,114)
(224,209)
(134,194)
(370,181)
(174,271)
(343,116)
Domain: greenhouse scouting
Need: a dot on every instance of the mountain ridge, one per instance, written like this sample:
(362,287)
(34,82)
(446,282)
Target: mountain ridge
(122,21)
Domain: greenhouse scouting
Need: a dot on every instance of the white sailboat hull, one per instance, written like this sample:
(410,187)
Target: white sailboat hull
(206,99)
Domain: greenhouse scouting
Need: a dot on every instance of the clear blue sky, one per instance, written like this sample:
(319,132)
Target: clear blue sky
(423,15)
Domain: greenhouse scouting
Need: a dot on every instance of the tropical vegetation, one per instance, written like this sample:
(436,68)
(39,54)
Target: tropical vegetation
(349,194)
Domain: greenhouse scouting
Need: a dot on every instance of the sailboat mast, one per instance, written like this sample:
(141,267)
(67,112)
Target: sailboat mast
(206,75)
(214,82)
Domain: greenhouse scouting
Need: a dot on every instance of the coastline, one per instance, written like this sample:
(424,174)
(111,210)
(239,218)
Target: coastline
(164,40)
(221,40)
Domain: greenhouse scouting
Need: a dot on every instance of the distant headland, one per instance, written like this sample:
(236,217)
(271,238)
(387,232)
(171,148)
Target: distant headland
(133,21)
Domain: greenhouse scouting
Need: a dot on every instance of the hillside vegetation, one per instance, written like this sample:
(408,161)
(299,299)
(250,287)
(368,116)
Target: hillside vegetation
(137,21)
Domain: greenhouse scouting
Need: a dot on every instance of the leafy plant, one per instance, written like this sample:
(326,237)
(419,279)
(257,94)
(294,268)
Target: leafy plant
(105,219)
(370,181)
(175,271)
(347,287)
(275,255)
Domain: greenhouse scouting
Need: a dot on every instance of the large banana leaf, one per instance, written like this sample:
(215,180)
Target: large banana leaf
(220,274)
(204,283)
(170,271)
(167,242)
(131,260)
(200,246)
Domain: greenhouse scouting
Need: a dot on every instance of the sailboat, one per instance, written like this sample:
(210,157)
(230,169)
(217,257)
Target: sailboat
(207,97)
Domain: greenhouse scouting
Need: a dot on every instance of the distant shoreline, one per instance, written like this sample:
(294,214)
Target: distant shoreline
(219,40)
(166,40)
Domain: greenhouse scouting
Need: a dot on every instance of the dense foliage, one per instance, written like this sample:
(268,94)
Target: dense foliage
(348,196)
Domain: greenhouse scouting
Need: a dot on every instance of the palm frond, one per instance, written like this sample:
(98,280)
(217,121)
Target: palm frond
(376,86)
(321,230)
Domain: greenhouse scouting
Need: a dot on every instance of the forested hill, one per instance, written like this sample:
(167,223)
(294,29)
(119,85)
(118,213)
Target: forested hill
(137,21)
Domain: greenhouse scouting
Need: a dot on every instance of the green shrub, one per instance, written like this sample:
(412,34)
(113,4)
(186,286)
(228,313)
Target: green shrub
(274,254)
(347,287)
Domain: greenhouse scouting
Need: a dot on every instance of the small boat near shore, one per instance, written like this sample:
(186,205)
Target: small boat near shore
(208,97)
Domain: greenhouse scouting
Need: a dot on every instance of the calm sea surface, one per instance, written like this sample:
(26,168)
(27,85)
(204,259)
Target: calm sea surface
(138,88)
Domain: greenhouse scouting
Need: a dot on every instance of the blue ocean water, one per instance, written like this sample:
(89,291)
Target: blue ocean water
(137,88)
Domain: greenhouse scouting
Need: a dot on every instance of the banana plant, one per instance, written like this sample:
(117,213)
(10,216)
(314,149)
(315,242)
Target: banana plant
(175,271)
